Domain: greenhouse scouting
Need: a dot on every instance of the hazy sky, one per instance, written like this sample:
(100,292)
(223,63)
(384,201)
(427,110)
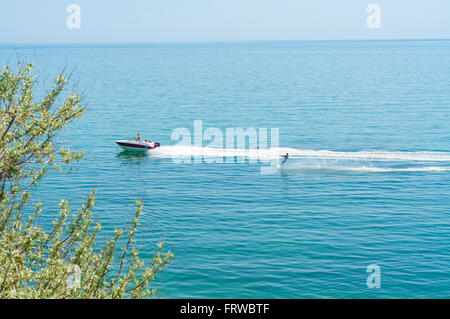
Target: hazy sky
(31,21)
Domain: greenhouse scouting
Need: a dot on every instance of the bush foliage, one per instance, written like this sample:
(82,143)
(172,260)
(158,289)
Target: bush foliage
(66,261)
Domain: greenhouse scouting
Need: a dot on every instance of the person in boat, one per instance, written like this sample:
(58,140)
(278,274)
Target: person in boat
(138,137)
(285,158)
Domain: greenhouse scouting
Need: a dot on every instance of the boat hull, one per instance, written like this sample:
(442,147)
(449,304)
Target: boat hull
(135,146)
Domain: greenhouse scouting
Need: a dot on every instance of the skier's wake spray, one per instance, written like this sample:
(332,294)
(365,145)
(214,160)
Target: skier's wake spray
(308,160)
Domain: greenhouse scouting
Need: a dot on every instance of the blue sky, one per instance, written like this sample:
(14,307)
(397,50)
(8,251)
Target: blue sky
(44,21)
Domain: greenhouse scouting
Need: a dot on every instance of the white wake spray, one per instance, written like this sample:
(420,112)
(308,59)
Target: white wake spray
(313,160)
(366,169)
(272,153)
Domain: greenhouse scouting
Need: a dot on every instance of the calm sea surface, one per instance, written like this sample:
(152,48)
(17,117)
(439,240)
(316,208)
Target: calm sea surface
(368,182)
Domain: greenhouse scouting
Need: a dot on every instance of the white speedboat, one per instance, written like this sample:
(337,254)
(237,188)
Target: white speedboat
(133,145)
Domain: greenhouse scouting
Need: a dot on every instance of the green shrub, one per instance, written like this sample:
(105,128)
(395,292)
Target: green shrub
(66,261)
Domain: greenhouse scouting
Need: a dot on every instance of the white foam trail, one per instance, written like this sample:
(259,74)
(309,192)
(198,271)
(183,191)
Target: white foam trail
(265,154)
(371,169)
(183,151)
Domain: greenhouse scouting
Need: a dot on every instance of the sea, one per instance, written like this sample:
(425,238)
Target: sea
(361,209)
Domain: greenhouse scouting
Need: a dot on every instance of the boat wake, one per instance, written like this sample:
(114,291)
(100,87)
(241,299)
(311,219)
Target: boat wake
(299,159)
(272,153)
(368,169)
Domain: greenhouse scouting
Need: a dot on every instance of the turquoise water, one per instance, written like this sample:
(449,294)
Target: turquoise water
(367,123)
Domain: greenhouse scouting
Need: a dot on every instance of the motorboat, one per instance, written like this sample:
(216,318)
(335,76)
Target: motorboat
(134,145)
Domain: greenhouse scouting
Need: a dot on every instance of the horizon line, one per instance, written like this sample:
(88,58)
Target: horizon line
(215,41)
